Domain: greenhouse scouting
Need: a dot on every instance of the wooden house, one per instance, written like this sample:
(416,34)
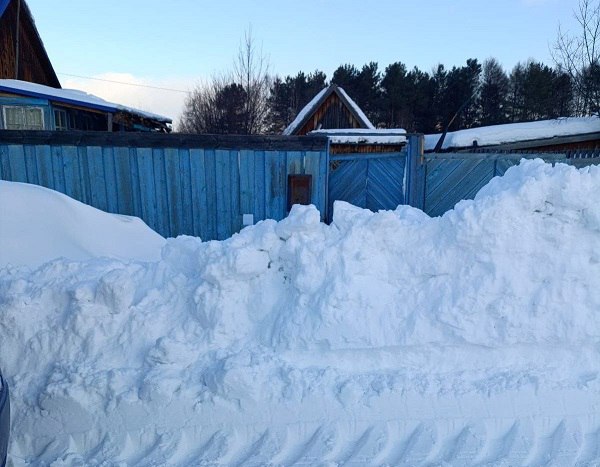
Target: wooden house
(22,53)
(334,114)
(31,97)
(330,109)
(31,106)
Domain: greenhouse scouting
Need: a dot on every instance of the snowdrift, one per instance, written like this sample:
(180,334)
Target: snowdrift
(38,225)
(384,339)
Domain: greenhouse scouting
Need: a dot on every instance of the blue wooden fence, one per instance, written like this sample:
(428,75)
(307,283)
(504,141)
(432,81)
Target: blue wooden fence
(442,180)
(202,185)
(194,185)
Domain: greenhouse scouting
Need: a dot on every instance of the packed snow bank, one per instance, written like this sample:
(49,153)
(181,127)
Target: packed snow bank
(38,225)
(383,339)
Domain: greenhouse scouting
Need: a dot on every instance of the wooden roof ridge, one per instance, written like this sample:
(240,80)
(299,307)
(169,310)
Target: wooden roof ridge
(311,108)
(29,18)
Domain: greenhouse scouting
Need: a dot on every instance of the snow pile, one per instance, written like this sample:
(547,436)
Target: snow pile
(384,339)
(516,132)
(38,225)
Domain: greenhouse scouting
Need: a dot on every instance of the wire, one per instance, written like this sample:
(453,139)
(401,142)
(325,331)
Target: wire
(122,82)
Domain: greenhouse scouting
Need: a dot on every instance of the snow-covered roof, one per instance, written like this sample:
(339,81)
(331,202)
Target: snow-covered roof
(73,97)
(516,132)
(316,101)
(308,108)
(354,106)
(364,136)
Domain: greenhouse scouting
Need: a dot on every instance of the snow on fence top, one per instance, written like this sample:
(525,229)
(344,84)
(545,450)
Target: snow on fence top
(363,136)
(304,112)
(516,132)
(74,97)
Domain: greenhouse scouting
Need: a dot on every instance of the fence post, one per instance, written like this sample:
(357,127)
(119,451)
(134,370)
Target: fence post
(415,172)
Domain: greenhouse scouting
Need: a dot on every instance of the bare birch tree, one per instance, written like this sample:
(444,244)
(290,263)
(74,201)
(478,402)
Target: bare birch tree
(234,102)
(251,71)
(579,56)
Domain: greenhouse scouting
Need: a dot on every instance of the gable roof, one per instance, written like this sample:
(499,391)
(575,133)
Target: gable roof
(520,135)
(73,97)
(310,109)
(26,18)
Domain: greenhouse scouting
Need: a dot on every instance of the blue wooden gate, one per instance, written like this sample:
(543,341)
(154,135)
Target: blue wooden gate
(372,181)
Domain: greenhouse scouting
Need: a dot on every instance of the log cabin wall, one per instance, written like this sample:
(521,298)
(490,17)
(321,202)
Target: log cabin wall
(34,64)
(332,114)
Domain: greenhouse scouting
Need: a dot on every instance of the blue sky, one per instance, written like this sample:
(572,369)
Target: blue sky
(178,43)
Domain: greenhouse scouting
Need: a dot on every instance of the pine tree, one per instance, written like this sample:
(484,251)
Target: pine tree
(369,92)
(395,91)
(346,76)
(493,94)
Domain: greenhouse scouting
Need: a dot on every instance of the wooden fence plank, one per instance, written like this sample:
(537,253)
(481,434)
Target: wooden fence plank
(223,192)
(30,164)
(276,185)
(200,212)
(173,190)
(5,173)
(186,205)
(97,178)
(110,180)
(135,182)
(210,174)
(43,158)
(247,174)
(260,186)
(235,217)
(315,164)
(73,184)
(146,185)
(161,192)
(16,162)
(123,181)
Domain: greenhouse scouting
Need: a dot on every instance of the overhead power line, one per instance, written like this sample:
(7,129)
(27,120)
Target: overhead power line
(123,82)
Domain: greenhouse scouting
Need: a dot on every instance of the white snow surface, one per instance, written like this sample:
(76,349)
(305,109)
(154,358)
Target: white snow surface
(364,136)
(387,338)
(514,132)
(38,225)
(75,96)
